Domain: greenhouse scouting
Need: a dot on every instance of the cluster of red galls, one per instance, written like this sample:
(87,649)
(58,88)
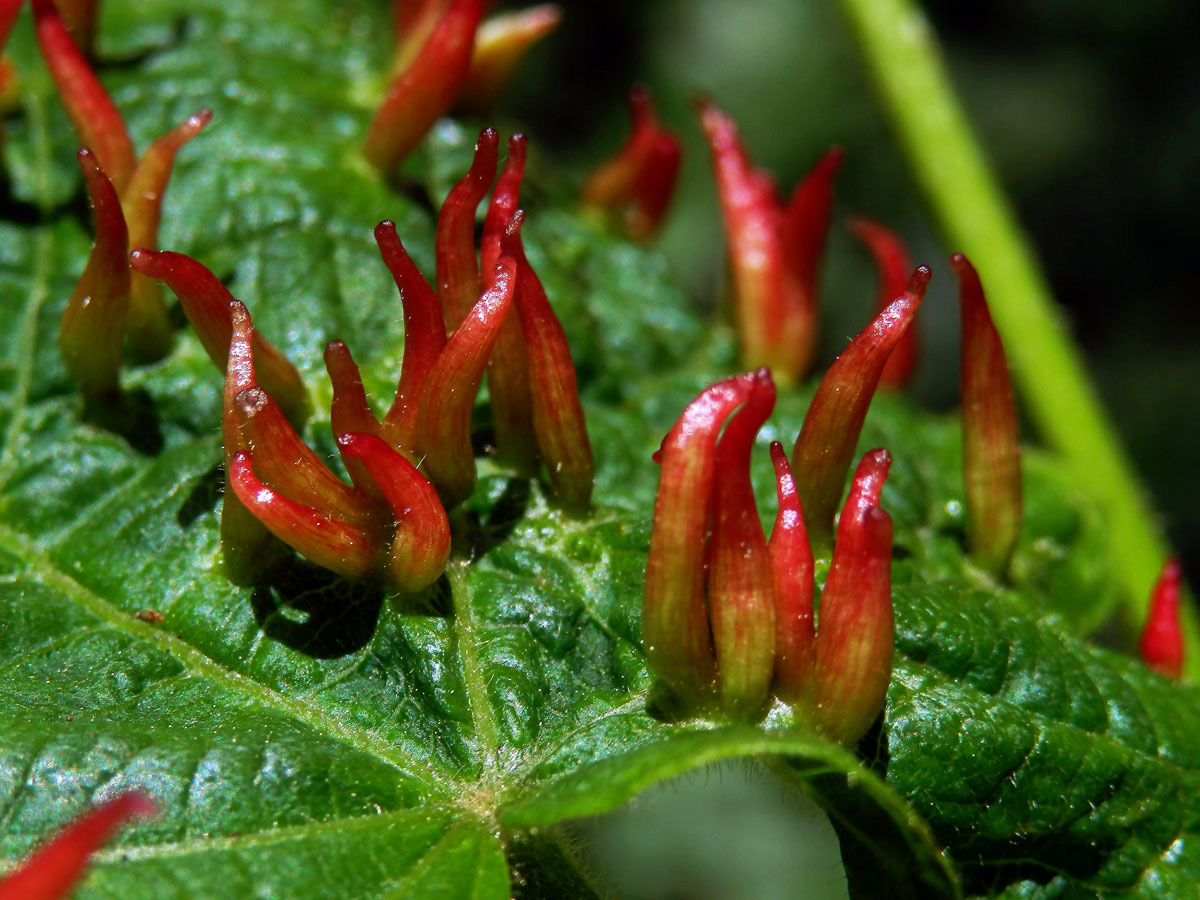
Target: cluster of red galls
(730,617)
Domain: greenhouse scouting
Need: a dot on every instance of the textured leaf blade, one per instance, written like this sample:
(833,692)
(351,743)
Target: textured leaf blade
(386,857)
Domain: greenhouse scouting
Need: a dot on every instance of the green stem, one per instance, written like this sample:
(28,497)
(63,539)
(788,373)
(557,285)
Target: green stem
(906,66)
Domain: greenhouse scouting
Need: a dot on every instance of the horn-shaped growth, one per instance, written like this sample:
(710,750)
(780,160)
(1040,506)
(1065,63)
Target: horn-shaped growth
(508,367)
(675,628)
(741,588)
(892,266)
(774,251)
(349,410)
(285,486)
(207,304)
(726,609)
(792,565)
(991,449)
(424,338)
(94,322)
(142,202)
(500,44)
(140,184)
(1161,645)
(458,283)
(853,653)
(638,182)
(825,447)
(57,865)
(421,543)
(95,117)
(443,432)
(426,88)
(558,423)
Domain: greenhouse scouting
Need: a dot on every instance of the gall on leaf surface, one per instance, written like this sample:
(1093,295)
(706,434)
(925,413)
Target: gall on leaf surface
(315,730)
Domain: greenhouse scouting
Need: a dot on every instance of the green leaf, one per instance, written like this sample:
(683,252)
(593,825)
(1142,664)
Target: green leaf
(315,737)
(1033,755)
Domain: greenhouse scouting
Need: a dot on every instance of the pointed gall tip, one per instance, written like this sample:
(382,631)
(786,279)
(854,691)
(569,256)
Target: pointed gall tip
(55,867)
(892,266)
(239,315)
(825,447)
(634,187)
(779,460)
(385,230)
(1162,646)
(458,279)
(500,44)
(829,164)
(991,439)
(867,485)
(200,119)
(639,99)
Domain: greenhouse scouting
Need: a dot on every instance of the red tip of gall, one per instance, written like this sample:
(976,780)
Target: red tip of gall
(892,265)
(425,89)
(1161,645)
(638,182)
(835,417)
(991,446)
(58,864)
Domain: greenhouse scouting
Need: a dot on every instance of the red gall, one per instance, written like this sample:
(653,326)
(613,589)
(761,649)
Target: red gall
(774,250)
(991,446)
(1161,645)
(139,183)
(55,867)
(637,184)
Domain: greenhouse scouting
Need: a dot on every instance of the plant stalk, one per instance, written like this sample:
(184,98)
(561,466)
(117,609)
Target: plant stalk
(905,64)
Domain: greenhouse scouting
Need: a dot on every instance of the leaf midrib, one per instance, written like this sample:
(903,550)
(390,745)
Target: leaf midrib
(195,662)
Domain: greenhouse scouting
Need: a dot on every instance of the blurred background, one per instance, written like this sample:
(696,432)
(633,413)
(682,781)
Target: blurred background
(1089,110)
(1091,114)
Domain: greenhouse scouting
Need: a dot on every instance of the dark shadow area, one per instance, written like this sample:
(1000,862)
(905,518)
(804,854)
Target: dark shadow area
(664,705)
(202,497)
(132,416)
(505,514)
(19,212)
(435,601)
(412,189)
(312,610)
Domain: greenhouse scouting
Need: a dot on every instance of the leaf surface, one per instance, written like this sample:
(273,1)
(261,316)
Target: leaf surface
(315,737)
